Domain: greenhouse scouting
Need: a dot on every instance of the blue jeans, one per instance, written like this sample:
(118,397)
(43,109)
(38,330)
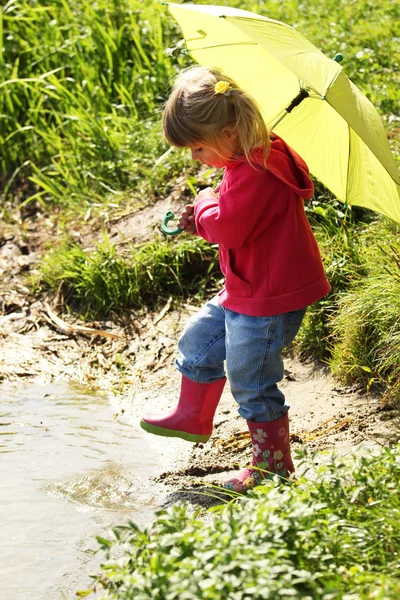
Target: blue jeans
(252,348)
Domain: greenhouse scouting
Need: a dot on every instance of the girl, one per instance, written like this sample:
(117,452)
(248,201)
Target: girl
(270,260)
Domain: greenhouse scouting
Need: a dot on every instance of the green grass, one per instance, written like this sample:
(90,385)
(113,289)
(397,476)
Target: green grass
(80,86)
(332,536)
(356,328)
(103,280)
(366,326)
(337,231)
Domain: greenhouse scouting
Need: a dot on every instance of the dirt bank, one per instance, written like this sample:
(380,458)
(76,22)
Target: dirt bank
(133,360)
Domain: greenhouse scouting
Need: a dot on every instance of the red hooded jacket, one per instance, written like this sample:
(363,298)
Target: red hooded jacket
(268,252)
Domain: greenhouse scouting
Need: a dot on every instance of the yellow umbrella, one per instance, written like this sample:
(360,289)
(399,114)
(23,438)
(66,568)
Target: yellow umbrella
(306,98)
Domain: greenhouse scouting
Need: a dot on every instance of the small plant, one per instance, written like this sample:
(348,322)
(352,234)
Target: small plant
(331,537)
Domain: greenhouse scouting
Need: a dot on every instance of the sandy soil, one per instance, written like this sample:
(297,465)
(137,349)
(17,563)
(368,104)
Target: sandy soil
(138,369)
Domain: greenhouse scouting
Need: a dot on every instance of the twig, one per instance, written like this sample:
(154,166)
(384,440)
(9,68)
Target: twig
(336,426)
(52,318)
(320,425)
(163,312)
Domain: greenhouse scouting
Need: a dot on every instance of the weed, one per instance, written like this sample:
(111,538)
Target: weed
(330,537)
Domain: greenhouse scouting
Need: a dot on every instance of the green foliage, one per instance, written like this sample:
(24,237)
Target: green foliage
(81,83)
(356,328)
(333,536)
(102,280)
(367,324)
(337,235)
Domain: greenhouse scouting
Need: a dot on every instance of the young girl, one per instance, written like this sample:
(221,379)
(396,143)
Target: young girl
(270,260)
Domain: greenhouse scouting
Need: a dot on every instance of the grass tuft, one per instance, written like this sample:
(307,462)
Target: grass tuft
(81,84)
(97,282)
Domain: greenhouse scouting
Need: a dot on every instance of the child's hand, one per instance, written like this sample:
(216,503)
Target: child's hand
(206,193)
(186,220)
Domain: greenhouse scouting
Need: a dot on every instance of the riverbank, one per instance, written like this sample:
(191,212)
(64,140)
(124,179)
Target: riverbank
(131,359)
(129,363)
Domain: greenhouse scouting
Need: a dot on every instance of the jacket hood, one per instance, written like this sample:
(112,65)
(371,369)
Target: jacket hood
(285,164)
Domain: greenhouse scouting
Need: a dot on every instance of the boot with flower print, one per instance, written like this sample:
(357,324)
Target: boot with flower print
(271,454)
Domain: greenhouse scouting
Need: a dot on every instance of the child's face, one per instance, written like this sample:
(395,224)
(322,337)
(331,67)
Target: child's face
(208,156)
(219,155)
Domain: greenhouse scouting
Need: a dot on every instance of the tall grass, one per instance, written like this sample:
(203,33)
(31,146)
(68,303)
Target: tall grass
(337,231)
(366,326)
(80,83)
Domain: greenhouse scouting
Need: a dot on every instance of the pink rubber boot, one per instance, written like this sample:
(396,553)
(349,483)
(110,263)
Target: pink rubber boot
(271,454)
(192,418)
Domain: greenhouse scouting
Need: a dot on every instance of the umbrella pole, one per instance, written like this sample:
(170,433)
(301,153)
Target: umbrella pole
(302,95)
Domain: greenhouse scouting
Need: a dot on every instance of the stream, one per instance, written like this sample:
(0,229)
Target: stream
(69,471)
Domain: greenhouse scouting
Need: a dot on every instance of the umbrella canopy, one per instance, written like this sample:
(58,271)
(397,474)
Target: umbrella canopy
(331,124)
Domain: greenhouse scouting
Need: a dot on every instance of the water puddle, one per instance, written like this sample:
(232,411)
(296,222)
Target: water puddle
(68,472)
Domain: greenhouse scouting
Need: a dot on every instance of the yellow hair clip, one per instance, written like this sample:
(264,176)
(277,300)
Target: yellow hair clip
(222,87)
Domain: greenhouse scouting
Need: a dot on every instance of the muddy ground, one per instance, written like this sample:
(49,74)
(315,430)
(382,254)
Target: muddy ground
(136,365)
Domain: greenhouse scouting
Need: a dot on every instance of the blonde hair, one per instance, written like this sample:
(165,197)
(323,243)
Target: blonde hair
(195,113)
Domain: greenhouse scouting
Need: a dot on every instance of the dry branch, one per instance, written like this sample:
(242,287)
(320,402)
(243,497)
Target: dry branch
(69,329)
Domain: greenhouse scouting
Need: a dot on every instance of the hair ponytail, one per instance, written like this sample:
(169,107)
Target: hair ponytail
(195,113)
